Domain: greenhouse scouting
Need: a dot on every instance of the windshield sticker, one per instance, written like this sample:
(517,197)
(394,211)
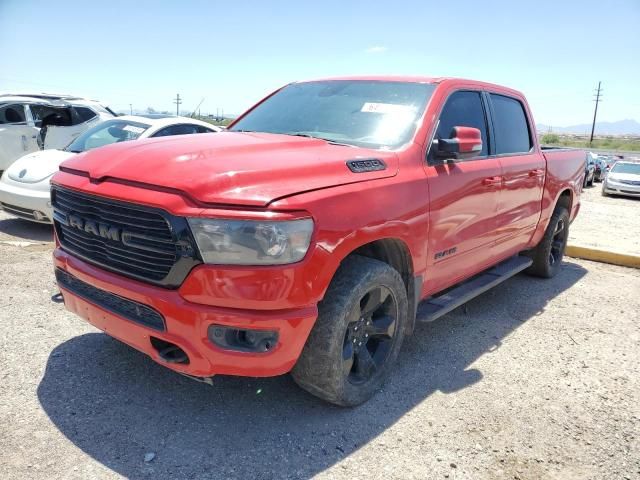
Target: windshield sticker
(387,108)
(132,129)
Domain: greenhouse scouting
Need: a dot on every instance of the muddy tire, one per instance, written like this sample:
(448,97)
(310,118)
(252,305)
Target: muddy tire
(547,256)
(358,334)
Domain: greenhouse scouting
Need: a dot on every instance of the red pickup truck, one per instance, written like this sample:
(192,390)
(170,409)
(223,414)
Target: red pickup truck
(314,233)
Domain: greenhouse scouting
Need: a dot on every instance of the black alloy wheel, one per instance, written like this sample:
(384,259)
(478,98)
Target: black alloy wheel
(369,335)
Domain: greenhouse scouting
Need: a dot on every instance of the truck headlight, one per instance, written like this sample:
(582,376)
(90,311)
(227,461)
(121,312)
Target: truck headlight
(251,242)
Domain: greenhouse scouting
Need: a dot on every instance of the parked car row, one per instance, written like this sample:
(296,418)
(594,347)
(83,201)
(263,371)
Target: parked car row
(618,177)
(25,187)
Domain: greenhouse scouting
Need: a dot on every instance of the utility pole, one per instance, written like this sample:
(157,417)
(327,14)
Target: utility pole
(131,109)
(595,112)
(177,101)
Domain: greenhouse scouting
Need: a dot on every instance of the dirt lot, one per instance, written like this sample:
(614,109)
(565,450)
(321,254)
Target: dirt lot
(535,379)
(608,223)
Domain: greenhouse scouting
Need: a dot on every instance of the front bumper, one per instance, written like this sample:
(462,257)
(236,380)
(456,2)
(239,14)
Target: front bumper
(187,324)
(21,201)
(617,188)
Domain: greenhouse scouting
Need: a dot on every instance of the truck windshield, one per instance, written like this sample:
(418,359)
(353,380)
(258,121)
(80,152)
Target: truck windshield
(372,114)
(105,133)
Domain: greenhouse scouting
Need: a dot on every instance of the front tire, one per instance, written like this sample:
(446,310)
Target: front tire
(547,255)
(355,342)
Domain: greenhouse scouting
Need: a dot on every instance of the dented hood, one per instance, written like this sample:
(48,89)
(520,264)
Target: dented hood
(232,167)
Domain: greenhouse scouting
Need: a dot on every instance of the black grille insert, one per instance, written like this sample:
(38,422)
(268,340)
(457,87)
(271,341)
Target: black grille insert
(140,242)
(133,311)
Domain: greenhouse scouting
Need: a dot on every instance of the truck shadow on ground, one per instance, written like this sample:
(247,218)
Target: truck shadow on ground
(116,405)
(24,230)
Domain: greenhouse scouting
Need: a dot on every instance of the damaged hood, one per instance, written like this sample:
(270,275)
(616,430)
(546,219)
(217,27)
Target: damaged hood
(232,168)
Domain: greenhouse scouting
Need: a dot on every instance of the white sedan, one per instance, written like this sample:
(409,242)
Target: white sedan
(24,186)
(622,179)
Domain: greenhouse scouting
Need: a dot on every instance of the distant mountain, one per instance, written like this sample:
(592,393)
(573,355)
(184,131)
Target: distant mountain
(621,127)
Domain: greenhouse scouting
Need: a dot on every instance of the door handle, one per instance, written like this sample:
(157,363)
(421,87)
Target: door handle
(492,181)
(536,172)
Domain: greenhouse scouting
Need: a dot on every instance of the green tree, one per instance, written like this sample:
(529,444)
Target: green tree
(550,138)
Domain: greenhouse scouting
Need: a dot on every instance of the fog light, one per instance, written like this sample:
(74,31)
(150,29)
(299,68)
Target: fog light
(242,340)
(38,215)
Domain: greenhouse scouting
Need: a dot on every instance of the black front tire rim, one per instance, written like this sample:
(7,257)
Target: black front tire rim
(370,333)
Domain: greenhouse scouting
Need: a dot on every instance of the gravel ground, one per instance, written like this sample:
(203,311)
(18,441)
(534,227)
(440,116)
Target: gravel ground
(607,223)
(534,379)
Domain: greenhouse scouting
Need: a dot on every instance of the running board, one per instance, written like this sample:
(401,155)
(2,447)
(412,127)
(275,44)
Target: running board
(434,307)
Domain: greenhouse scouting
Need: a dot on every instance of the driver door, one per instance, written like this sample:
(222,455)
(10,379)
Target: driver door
(463,197)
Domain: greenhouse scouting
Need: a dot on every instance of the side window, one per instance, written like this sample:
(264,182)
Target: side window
(202,129)
(84,114)
(13,113)
(44,115)
(176,130)
(463,109)
(510,125)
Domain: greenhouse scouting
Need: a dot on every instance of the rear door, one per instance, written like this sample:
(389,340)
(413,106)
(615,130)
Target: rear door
(463,196)
(523,172)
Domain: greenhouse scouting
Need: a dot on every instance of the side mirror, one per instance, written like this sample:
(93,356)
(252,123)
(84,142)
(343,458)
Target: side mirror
(464,143)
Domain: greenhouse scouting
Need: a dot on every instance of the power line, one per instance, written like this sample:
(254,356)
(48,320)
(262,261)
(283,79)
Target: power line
(595,112)
(177,101)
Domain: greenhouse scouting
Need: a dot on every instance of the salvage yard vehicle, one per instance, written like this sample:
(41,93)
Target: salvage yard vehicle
(622,179)
(25,186)
(33,122)
(600,169)
(312,234)
(589,170)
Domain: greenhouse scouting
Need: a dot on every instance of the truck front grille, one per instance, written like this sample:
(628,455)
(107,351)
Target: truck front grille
(140,242)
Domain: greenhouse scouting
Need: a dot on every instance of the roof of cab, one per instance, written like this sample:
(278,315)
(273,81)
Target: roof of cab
(419,79)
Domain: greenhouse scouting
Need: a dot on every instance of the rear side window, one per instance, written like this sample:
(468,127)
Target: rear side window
(85,114)
(182,129)
(463,109)
(12,114)
(510,125)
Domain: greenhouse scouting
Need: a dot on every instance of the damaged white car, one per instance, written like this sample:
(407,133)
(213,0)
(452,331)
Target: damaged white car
(33,122)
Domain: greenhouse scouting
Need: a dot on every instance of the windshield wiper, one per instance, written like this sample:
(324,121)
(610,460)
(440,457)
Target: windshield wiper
(328,140)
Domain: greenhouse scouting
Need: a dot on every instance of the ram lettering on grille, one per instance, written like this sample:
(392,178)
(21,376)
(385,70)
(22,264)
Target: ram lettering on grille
(98,229)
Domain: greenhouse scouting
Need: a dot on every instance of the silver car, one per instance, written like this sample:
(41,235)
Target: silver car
(623,179)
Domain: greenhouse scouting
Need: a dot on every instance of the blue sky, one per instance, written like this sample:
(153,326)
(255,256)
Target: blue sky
(233,53)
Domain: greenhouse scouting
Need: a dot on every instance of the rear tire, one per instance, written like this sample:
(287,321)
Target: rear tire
(358,334)
(548,254)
